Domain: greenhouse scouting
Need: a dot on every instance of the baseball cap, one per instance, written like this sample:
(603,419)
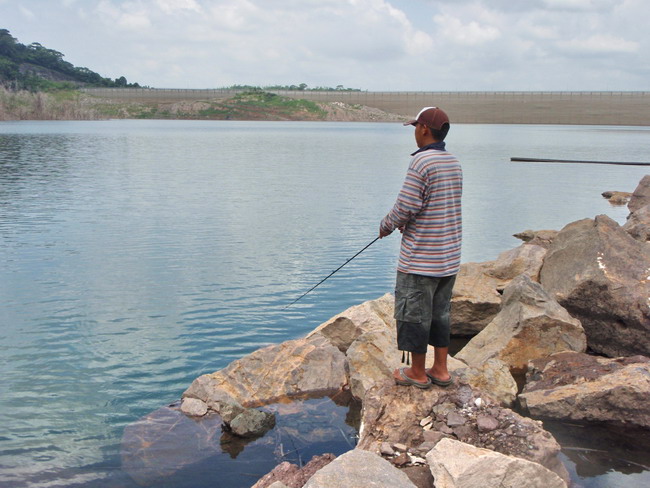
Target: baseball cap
(432,117)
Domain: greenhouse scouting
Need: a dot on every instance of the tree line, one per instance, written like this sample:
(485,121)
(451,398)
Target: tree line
(31,67)
(300,87)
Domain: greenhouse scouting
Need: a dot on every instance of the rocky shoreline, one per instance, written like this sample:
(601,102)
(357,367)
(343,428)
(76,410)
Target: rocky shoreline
(558,328)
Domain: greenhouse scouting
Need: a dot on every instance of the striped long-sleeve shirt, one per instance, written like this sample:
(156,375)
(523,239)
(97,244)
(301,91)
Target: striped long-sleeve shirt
(428,208)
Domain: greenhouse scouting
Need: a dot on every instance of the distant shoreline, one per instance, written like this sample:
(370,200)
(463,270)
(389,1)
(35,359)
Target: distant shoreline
(549,108)
(573,108)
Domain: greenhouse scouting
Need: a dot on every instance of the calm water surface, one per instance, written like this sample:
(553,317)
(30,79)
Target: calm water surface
(138,255)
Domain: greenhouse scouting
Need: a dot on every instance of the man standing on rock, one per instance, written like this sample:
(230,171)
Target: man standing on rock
(428,213)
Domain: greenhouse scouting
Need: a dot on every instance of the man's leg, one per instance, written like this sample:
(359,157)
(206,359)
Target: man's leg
(440,328)
(439,368)
(417,371)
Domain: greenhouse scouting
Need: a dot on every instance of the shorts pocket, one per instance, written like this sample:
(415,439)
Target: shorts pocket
(408,306)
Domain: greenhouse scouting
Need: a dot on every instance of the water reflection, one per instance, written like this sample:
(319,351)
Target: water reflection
(166,448)
(603,456)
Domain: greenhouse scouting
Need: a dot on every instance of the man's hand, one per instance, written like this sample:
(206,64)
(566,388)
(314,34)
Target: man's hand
(383,233)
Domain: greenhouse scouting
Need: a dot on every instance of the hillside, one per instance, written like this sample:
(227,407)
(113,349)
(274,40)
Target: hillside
(35,67)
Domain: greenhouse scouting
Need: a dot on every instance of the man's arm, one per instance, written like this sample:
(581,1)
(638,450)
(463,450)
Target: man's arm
(409,203)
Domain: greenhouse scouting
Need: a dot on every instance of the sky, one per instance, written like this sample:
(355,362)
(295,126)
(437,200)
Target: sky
(376,45)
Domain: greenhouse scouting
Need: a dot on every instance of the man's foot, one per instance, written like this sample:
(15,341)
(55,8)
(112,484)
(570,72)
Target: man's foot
(401,378)
(439,381)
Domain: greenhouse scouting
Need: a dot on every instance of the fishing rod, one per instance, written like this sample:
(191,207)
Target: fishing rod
(329,275)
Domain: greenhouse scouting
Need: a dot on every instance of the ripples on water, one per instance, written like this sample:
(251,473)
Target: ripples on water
(137,255)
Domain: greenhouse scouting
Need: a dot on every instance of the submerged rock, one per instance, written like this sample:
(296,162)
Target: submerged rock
(531,324)
(458,465)
(574,386)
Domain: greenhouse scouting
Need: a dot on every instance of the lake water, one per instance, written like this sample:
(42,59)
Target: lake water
(138,255)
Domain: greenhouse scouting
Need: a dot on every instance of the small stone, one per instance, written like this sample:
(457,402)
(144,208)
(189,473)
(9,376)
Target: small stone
(426,421)
(478,402)
(486,423)
(386,450)
(400,447)
(446,430)
(455,419)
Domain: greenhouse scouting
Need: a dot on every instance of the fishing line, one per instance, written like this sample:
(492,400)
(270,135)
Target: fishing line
(329,275)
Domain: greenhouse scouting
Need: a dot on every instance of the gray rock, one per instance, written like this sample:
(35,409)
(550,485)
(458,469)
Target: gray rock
(458,465)
(492,377)
(194,407)
(252,423)
(538,237)
(638,224)
(641,196)
(531,324)
(599,273)
(454,419)
(358,468)
(526,259)
(486,423)
(574,386)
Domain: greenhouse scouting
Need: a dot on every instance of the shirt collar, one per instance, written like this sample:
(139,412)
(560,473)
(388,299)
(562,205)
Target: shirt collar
(437,146)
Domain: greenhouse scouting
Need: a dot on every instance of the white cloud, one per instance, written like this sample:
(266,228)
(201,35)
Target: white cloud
(26,12)
(173,6)
(599,44)
(127,15)
(470,33)
(368,44)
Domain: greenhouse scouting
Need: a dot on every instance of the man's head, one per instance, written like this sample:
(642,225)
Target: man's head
(434,120)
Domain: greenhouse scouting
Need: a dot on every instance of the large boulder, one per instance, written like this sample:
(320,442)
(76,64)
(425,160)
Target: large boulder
(402,415)
(455,464)
(600,274)
(641,196)
(493,377)
(531,324)
(370,360)
(575,386)
(343,329)
(526,259)
(358,468)
(476,298)
(309,365)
